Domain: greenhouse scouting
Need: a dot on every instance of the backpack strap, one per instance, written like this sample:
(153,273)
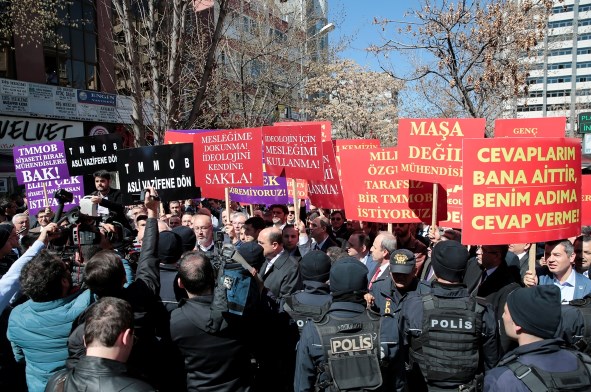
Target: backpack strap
(527,376)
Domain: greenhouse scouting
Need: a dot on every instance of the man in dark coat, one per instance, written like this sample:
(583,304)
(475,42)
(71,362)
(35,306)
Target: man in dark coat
(105,277)
(280,272)
(531,317)
(213,361)
(489,277)
(108,335)
(109,199)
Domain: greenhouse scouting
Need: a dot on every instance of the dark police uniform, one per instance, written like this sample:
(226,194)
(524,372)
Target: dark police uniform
(547,356)
(308,304)
(448,336)
(360,333)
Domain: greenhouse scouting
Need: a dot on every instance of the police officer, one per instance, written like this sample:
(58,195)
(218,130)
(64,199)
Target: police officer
(531,317)
(313,301)
(342,350)
(450,338)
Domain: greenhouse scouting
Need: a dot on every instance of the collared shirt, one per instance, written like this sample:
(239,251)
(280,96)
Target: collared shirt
(272,261)
(366,259)
(567,289)
(586,274)
(206,248)
(489,271)
(318,246)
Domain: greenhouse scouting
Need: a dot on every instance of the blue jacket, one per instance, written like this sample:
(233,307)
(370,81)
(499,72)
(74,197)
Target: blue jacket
(38,332)
(582,283)
(9,284)
(546,355)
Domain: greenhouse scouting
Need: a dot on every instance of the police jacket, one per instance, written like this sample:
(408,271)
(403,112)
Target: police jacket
(387,296)
(413,327)
(546,355)
(309,303)
(310,353)
(314,293)
(94,374)
(213,362)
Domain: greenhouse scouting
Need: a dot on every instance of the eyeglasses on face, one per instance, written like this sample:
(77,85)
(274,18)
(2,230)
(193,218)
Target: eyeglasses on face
(202,228)
(335,218)
(291,212)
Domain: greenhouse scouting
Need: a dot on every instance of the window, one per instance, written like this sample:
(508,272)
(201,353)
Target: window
(73,60)
(563,8)
(558,79)
(559,66)
(562,23)
(560,52)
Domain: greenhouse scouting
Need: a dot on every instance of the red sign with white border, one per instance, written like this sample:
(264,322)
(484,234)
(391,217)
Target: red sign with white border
(521,190)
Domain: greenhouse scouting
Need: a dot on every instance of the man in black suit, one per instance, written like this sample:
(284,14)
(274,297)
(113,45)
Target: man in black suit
(518,256)
(489,277)
(320,233)
(280,272)
(275,355)
(488,272)
(109,199)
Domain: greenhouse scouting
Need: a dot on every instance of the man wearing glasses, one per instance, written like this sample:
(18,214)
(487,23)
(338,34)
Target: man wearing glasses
(291,216)
(488,276)
(203,228)
(337,223)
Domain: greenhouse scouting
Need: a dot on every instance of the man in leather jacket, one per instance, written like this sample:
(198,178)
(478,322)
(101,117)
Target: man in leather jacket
(108,334)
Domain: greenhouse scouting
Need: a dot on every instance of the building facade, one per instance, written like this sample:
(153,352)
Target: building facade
(559,82)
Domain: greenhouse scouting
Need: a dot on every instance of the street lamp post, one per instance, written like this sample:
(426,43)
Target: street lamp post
(323,31)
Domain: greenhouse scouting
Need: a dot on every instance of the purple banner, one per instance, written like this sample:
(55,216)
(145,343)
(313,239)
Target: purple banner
(40,162)
(273,192)
(36,194)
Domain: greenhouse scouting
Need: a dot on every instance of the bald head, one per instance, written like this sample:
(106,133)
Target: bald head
(271,241)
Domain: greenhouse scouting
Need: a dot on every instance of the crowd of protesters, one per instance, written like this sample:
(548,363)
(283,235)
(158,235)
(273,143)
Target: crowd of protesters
(123,301)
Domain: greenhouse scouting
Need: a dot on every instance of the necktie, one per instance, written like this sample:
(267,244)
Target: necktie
(269,266)
(374,277)
(484,276)
(316,247)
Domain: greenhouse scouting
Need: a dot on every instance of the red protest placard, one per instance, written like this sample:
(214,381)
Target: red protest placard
(586,200)
(431,148)
(297,149)
(454,207)
(171,137)
(327,193)
(325,127)
(228,158)
(373,190)
(352,144)
(301,189)
(530,127)
(521,190)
